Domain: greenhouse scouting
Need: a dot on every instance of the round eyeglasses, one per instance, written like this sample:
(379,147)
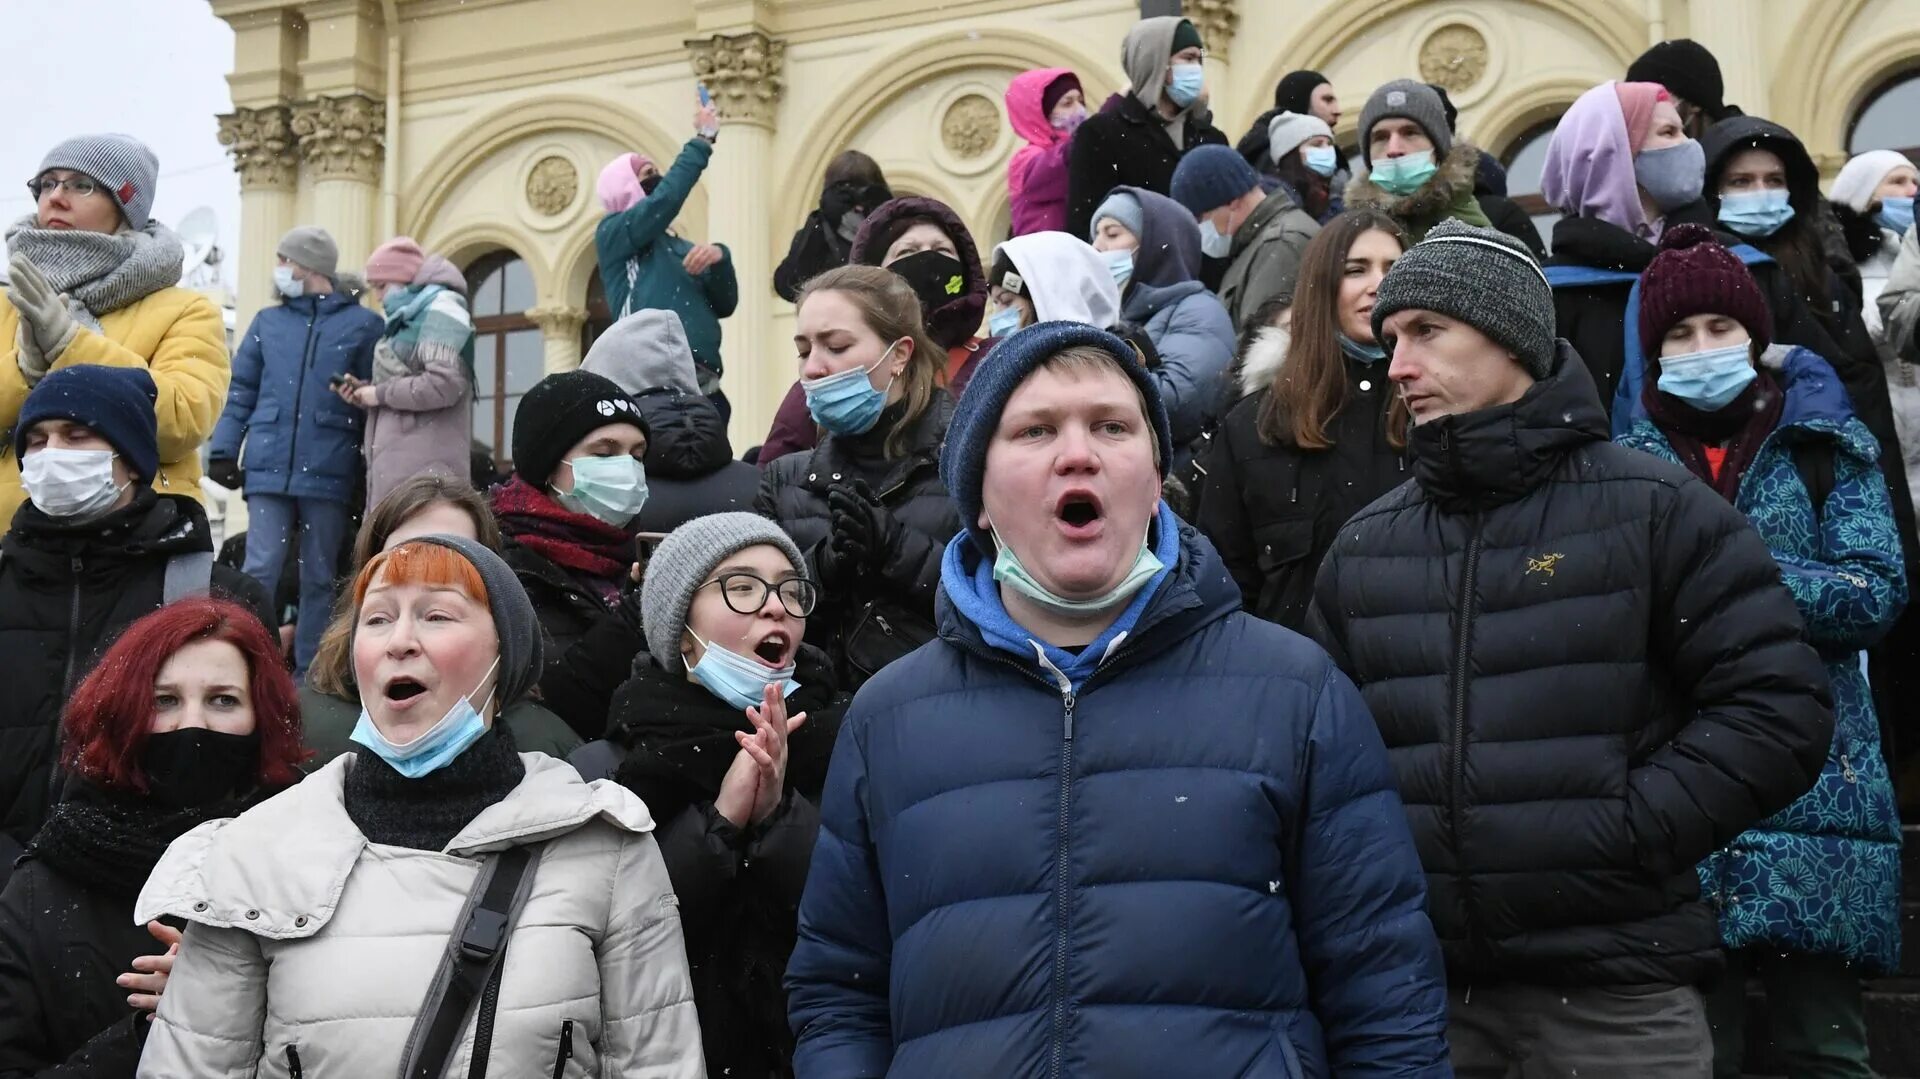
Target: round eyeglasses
(746,593)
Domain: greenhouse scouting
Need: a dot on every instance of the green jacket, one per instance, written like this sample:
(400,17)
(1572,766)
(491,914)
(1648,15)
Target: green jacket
(636,243)
(329,723)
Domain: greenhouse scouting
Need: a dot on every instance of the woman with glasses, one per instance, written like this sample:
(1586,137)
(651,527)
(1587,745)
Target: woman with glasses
(725,730)
(93,279)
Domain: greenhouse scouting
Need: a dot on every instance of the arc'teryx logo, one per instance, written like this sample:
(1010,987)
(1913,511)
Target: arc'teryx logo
(1544,564)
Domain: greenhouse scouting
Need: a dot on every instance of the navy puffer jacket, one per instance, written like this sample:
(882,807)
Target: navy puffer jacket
(1190,862)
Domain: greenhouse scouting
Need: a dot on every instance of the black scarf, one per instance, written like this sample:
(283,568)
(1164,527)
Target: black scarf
(426,813)
(111,840)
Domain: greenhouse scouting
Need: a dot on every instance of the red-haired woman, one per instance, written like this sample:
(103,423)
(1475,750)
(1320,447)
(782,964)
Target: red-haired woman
(190,716)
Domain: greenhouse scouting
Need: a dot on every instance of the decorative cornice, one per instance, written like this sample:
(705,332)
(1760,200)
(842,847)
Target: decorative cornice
(262,144)
(1217,20)
(342,138)
(743,72)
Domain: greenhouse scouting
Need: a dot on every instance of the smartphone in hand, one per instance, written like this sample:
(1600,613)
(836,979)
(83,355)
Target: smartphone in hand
(706,99)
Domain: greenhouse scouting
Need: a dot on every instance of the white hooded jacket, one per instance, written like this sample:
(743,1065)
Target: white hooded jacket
(1067,280)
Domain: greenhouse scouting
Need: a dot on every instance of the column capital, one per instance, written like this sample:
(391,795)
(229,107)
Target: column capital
(343,137)
(1217,20)
(558,320)
(262,144)
(744,73)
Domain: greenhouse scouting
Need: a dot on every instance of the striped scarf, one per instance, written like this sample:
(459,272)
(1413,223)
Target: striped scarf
(100,272)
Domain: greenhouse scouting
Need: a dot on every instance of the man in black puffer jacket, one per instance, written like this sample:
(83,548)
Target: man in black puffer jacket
(1586,670)
(92,550)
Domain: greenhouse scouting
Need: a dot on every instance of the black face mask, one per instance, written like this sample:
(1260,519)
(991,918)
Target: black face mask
(649,183)
(193,767)
(936,277)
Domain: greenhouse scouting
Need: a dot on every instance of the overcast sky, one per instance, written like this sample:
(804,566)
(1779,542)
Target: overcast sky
(154,69)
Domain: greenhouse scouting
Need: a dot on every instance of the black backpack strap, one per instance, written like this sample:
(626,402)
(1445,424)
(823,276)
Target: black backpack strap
(1813,460)
(473,954)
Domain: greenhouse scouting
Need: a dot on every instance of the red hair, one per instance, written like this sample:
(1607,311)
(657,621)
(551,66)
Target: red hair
(107,721)
(420,562)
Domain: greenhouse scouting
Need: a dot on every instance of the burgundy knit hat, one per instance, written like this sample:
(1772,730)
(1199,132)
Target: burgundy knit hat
(1694,275)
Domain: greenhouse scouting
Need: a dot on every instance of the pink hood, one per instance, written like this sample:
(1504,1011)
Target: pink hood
(1029,122)
(619,188)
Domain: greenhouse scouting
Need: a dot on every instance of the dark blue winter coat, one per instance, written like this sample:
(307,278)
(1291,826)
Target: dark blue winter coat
(302,439)
(1178,853)
(1823,875)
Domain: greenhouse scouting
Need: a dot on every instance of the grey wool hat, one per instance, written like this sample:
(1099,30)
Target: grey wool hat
(120,163)
(310,248)
(521,655)
(1411,100)
(682,562)
(1484,278)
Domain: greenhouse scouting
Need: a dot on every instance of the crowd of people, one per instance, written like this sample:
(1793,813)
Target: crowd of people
(1264,616)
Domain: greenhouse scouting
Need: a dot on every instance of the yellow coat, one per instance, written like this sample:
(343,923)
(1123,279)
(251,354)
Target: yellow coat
(178,336)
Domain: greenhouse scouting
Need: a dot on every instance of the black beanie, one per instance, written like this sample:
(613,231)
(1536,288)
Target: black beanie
(1185,37)
(1687,70)
(1446,106)
(1295,92)
(1006,275)
(1057,89)
(559,411)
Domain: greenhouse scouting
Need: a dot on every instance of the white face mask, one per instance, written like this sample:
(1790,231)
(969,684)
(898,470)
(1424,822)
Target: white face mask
(74,485)
(287,285)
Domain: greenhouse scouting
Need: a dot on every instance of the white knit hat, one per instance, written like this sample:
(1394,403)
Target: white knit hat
(1289,129)
(1861,177)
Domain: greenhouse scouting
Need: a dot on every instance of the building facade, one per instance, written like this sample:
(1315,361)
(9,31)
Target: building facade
(479,126)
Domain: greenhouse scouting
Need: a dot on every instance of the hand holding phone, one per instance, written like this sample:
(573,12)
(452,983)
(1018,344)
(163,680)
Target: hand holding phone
(706,121)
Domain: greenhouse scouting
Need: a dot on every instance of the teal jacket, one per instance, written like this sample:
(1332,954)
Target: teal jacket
(641,263)
(1823,875)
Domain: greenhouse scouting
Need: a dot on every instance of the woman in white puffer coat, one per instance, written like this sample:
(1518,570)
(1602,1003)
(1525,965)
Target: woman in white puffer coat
(318,919)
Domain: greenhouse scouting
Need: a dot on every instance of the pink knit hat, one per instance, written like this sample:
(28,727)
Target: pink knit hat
(619,188)
(398,260)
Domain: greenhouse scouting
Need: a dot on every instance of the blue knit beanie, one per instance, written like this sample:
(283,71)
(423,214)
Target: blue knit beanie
(116,403)
(1211,176)
(963,459)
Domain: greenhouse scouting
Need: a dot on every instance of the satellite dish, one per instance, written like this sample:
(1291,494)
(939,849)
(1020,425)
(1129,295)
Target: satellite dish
(200,234)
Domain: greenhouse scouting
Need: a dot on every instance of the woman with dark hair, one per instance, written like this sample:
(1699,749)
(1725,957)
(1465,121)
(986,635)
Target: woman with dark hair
(854,186)
(866,506)
(1303,93)
(189,717)
(1305,163)
(1322,433)
(329,699)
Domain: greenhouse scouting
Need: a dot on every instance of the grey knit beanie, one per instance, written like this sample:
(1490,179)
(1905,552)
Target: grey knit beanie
(1287,131)
(1482,277)
(681,563)
(521,654)
(1409,100)
(1124,208)
(120,163)
(310,248)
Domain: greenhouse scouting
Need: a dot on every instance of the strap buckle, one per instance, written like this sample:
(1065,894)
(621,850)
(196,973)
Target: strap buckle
(486,930)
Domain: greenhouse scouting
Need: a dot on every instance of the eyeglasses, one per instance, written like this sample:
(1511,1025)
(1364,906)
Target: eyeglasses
(746,593)
(78,186)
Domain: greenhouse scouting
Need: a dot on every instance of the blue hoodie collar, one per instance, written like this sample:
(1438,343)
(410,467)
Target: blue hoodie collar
(975,596)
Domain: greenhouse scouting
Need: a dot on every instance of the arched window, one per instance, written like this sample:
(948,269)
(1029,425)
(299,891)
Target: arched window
(1524,161)
(508,353)
(1886,123)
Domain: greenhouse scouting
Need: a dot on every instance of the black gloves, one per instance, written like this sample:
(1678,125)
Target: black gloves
(862,532)
(224,471)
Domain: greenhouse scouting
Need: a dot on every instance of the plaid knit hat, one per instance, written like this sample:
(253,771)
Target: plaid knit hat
(115,403)
(559,411)
(682,562)
(1484,278)
(1209,177)
(1408,100)
(1694,275)
(120,163)
(963,458)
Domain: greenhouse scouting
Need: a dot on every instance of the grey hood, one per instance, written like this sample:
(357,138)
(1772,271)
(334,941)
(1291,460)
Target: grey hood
(647,350)
(1146,54)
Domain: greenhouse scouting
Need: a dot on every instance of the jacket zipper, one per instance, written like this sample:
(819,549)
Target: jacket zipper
(1456,793)
(293,1063)
(300,389)
(566,1050)
(66,682)
(1062,906)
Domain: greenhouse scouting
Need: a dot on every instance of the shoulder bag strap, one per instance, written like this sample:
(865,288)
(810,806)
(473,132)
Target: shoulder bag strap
(188,574)
(472,953)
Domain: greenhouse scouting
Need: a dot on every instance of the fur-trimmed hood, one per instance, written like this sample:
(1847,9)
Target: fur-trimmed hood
(1450,190)
(1262,358)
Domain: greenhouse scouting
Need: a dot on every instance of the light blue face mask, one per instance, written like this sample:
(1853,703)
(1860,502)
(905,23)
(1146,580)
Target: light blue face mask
(1008,570)
(1188,81)
(735,679)
(1896,214)
(1004,322)
(609,489)
(1756,213)
(847,403)
(1709,380)
(445,740)
(286,285)
(1324,160)
(1121,264)
(1403,175)
(1213,243)
(1359,352)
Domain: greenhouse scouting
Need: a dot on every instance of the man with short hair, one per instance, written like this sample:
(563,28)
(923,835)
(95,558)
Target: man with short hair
(1106,824)
(1262,235)
(1416,170)
(302,458)
(1585,667)
(93,549)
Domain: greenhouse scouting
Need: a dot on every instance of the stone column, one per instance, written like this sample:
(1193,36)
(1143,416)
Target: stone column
(560,333)
(261,141)
(1217,20)
(341,140)
(1731,30)
(743,73)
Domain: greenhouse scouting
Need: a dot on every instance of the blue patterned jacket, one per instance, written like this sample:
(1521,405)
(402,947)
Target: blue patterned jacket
(1823,875)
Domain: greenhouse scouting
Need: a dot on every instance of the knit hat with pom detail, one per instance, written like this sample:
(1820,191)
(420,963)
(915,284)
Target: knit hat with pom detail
(1694,275)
